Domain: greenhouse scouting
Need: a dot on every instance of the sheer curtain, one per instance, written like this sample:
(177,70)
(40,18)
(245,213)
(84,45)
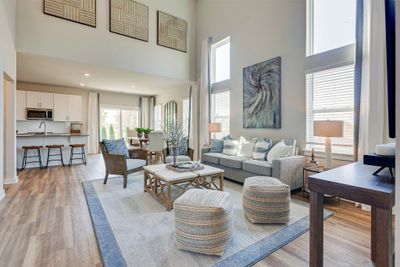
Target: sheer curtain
(204,95)
(93,123)
(373,104)
(147,112)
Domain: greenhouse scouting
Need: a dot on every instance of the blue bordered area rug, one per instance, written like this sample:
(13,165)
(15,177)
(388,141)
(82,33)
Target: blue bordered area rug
(134,229)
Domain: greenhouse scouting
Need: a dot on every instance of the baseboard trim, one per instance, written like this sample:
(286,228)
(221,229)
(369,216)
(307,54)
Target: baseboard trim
(11,180)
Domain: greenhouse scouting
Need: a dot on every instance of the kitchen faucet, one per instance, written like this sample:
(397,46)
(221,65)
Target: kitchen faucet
(45,127)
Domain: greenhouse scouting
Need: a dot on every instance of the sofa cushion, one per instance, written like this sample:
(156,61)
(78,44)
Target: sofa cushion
(213,157)
(246,147)
(261,149)
(234,162)
(258,166)
(179,158)
(231,147)
(217,146)
(280,150)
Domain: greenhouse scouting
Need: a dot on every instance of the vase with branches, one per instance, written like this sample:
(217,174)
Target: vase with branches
(174,136)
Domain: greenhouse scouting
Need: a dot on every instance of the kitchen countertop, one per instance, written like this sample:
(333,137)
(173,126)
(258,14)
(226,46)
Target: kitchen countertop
(49,134)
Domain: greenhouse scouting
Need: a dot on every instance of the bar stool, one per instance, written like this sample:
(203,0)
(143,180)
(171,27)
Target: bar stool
(26,157)
(81,153)
(60,155)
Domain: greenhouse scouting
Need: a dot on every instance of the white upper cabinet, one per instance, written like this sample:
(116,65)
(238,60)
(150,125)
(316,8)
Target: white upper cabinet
(39,100)
(68,108)
(21,105)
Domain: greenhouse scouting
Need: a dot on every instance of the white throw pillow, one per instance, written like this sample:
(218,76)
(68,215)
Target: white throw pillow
(280,150)
(246,147)
(231,147)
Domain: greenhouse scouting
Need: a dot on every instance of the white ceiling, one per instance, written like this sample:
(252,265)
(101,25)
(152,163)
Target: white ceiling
(54,71)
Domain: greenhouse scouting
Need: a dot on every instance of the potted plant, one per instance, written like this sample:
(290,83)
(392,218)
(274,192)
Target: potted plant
(139,132)
(174,136)
(146,132)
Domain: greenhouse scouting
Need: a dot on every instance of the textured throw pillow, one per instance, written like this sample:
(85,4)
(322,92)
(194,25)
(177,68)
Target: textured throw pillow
(261,149)
(246,147)
(280,150)
(231,147)
(116,147)
(217,146)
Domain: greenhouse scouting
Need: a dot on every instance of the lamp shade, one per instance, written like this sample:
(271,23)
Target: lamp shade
(328,128)
(214,127)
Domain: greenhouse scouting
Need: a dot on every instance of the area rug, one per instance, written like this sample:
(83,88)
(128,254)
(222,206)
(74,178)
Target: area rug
(134,229)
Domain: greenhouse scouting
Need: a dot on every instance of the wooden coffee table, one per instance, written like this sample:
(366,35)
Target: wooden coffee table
(159,181)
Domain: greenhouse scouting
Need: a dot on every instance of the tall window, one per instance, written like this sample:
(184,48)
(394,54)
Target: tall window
(157,118)
(115,121)
(220,61)
(330,96)
(331,24)
(185,115)
(220,112)
(330,70)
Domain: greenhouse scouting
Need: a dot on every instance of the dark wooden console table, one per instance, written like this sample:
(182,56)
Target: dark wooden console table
(354,182)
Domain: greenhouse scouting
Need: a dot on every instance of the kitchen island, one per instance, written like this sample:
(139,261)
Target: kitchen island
(41,139)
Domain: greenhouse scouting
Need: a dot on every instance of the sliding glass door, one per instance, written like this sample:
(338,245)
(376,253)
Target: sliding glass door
(115,121)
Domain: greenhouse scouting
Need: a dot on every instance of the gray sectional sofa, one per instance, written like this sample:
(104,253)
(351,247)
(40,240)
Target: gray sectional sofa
(288,169)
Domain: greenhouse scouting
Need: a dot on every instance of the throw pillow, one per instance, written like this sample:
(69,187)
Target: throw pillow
(231,147)
(280,150)
(261,149)
(116,147)
(217,146)
(246,147)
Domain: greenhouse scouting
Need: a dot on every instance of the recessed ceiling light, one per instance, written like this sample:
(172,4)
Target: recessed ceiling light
(82,84)
(133,86)
(86,74)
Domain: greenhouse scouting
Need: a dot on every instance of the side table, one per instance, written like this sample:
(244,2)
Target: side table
(312,169)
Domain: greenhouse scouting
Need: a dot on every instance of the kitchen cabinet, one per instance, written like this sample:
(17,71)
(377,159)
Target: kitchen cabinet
(68,108)
(39,100)
(21,105)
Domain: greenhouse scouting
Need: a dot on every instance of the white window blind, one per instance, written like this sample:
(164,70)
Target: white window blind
(220,112)
(330,96)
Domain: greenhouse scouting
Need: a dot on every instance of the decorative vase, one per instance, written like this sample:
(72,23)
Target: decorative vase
(146,136)
(174,155)
(140,135)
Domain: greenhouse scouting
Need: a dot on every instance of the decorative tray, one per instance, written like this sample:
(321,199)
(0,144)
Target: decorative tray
(187,166)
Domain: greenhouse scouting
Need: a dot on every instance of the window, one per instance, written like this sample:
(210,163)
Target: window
(157,118)
(220,112)
(185,115)
(331,24)
(220,61)
(115,121)
(330,96)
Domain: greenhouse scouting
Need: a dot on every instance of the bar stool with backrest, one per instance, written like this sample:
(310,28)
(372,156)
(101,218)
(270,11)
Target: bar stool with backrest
(58,155)
(38,156)
(82,153)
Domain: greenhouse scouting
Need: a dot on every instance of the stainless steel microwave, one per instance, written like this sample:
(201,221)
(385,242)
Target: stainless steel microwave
(39,114)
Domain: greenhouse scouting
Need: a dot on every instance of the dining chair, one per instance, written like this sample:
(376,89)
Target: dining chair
(132,138)
(155,145)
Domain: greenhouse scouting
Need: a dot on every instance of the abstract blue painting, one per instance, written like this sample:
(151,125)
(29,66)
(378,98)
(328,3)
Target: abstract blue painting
(262,95)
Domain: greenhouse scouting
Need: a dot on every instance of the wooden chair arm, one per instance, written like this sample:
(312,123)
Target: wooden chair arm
(191,153)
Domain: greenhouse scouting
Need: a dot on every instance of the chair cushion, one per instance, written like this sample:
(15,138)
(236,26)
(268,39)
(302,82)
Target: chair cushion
(213,157)
(234,162)
(116,147)
(135,163)
(179,158)
(258,166)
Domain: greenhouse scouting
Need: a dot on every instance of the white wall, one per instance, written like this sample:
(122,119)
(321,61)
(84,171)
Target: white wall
(261,30)
(7,61)
(42,34)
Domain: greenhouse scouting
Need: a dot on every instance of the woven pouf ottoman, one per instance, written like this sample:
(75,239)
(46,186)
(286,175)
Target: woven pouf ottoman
(203,221)
(266,200)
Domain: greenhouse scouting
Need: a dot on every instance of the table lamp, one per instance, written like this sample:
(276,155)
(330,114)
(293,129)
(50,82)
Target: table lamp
(328,129)
(214,127)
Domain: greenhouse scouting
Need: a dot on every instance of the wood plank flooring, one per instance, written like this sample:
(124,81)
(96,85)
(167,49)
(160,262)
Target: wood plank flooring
(44,221)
